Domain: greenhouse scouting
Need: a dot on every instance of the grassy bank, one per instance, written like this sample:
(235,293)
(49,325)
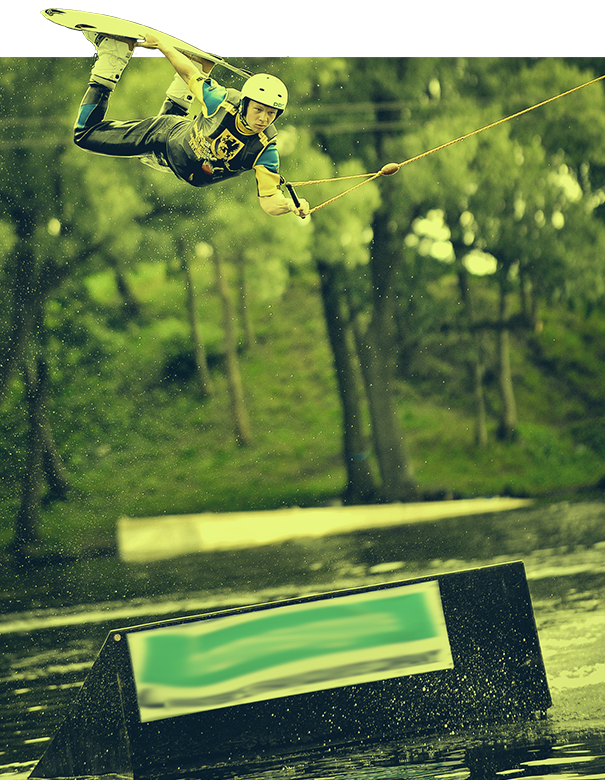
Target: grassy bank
(156,448)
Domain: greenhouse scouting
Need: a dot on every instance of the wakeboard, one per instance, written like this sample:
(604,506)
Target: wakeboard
(112,26)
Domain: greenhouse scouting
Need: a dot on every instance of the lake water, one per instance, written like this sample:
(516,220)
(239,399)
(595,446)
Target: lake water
(55,618)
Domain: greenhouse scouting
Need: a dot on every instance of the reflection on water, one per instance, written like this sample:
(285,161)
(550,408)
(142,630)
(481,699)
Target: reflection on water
(484,757)
(45,657)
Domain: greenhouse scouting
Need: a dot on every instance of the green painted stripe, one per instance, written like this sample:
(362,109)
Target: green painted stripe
(180,658)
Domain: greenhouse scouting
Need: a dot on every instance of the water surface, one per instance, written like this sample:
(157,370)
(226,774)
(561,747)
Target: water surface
(55,619)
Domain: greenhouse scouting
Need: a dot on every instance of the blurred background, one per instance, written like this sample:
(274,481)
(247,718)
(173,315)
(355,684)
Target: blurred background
(437,333)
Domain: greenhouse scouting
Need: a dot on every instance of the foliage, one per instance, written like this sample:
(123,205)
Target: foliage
(92,251)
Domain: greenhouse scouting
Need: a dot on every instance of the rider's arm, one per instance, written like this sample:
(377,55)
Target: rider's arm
(182,64)
(271,199)
(277,204)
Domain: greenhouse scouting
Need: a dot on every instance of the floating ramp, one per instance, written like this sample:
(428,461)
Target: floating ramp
(379,662)
(154,538)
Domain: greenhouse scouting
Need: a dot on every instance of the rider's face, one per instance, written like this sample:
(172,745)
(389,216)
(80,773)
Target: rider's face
(259,116)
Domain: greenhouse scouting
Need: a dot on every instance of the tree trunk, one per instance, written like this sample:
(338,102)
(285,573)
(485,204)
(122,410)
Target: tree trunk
(478,374)
(25,301)
(377,350)
(478,364)
(131,305)
(396,471)
(507,430)
(52,465)
(201,360)
(30,286)
(360,484)
(249,339)
(28,517)
(241,422)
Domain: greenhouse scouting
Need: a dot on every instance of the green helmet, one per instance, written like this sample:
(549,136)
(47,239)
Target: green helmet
(266,89)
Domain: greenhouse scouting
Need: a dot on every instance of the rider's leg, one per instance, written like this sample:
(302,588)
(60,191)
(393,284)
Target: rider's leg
(113,55)
(111,58)
(178,98)
(119,139)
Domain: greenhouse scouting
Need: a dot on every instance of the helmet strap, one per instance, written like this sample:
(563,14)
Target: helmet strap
(243,110)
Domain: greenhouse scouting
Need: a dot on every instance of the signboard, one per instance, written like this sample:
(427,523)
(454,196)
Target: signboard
(267,654)
(371,663)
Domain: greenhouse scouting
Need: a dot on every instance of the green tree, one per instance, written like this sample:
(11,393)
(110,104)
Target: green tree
(378,89)
(61,212)
(31,191)
(478,186)
(342,235)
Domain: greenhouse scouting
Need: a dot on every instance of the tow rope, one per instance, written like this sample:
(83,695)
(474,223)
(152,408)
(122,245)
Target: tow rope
(390,168)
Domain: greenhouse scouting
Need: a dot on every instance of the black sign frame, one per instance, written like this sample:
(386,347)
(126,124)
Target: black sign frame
(498,675)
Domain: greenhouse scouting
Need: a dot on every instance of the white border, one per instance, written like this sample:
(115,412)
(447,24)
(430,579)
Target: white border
(326,29)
